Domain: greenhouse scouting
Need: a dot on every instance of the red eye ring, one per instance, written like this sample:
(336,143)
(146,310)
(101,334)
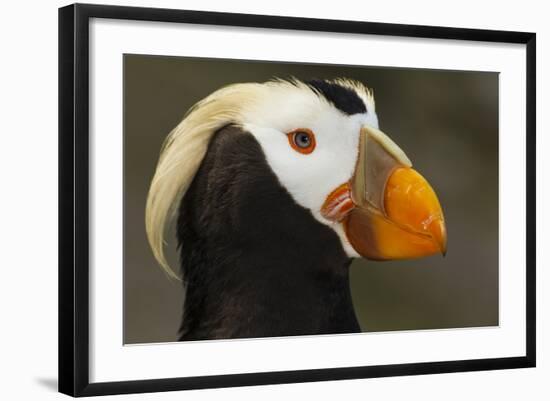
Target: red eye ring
(302,140)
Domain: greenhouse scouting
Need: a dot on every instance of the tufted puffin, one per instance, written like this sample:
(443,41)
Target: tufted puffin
(274,188)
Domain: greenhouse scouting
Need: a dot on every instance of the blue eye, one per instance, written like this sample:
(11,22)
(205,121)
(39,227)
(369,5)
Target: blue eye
(302,140)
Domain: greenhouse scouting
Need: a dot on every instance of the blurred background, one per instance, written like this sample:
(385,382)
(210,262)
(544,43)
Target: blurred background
(446,122)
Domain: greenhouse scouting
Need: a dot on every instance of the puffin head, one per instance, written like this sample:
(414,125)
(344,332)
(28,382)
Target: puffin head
(322,141)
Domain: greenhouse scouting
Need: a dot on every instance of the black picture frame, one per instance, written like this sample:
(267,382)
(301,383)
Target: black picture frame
(74,198)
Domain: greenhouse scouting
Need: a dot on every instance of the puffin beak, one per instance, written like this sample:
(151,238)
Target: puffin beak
(388,210)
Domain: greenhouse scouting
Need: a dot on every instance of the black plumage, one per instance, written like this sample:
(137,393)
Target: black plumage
(254,262)
(340,96)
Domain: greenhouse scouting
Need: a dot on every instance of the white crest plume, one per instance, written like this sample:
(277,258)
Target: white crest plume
(182,154)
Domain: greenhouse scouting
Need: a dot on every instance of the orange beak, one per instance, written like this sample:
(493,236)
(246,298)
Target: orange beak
(389,211)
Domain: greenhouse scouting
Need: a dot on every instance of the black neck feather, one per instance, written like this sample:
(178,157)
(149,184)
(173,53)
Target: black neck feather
(254,262)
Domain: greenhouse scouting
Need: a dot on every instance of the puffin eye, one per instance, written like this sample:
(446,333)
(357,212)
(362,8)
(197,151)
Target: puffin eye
(302,140)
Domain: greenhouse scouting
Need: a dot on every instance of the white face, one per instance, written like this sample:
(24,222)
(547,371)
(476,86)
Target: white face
(309,177)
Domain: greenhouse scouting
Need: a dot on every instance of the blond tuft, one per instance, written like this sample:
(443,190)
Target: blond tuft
(182,154)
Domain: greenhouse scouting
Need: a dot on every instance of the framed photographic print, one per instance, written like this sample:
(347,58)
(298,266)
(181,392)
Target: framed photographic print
(249,199)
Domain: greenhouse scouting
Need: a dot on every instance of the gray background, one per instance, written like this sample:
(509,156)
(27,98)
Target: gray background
(447,123)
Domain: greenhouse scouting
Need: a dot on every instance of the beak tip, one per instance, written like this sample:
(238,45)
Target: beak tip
(439,234)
